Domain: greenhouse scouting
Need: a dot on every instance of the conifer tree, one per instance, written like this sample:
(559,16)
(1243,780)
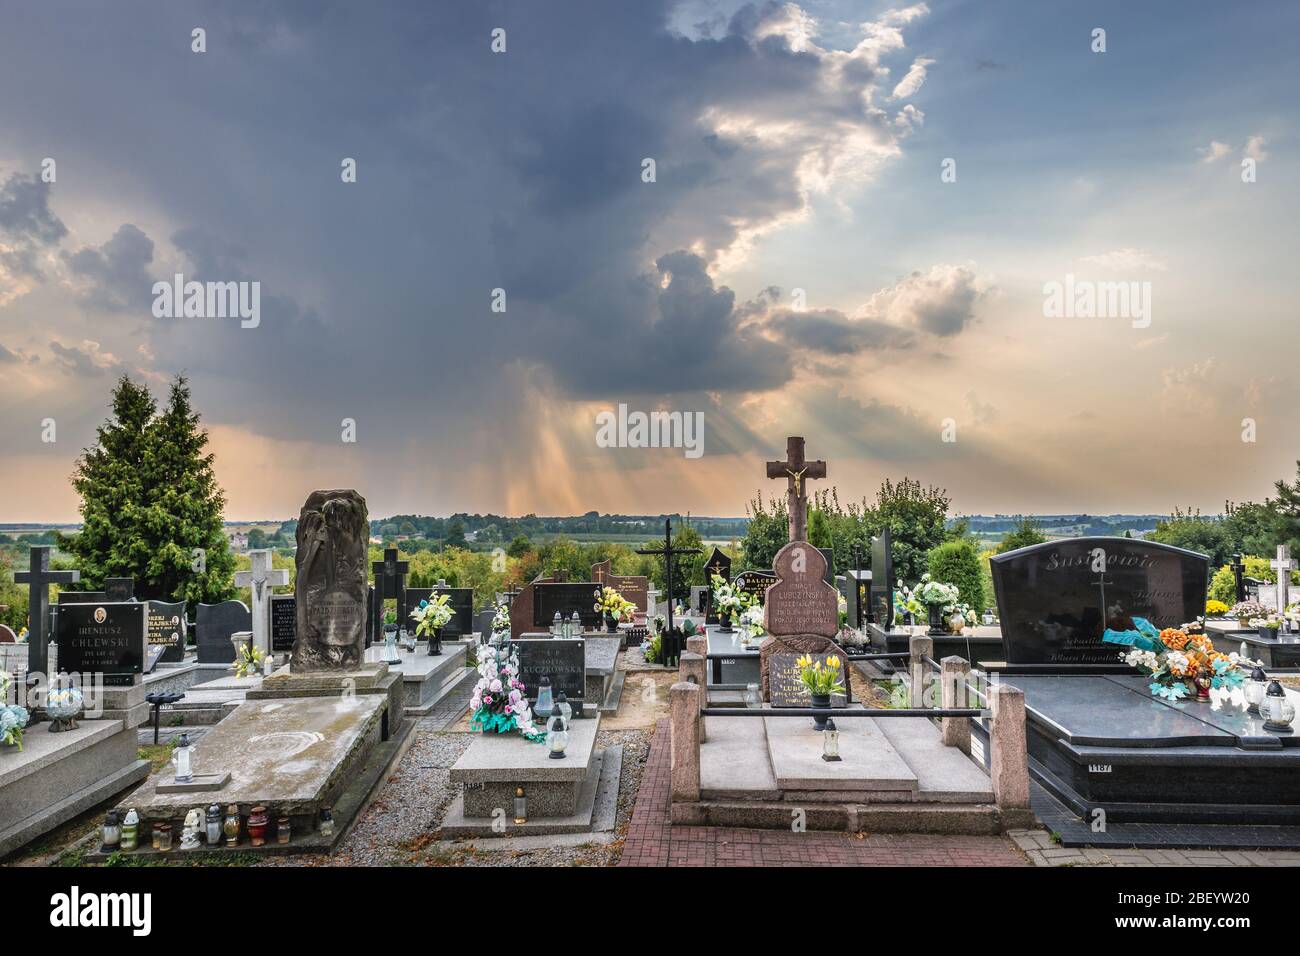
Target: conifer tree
(150,504)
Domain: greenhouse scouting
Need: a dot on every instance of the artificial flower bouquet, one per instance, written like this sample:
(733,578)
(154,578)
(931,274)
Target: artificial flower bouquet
(1243,611)
(1266,622)
(249,660)
(499,703)
(1215,608)
(13,718)
(609,602)
(501,620)
(821,679)
(1181,664)
(753,623)
(728,603)
(435,613)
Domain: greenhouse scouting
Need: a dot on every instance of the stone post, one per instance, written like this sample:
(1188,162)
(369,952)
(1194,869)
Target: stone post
(684,717)
(1009,756)
(919,647)
(699,644)
(952,688)
(691,669)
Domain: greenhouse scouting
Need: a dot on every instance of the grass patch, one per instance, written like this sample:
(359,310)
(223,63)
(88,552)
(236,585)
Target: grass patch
(158,755)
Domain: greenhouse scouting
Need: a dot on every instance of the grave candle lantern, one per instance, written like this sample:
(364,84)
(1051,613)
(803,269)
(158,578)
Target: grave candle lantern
(830,741)
(183,758)
(214,825)
(112,830)
(326,821)
(575,625)
(545,701)
(557,734)
(1255,688)
(232,825)
(521,806)
(131,830)
(566,709)
(1277,711)
(555,625)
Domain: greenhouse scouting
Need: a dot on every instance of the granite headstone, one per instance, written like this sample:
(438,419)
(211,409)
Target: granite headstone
(215,625)
(106,639)
(167,626)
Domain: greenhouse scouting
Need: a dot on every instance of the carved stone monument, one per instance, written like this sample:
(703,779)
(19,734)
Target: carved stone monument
(801,611)
(333,532)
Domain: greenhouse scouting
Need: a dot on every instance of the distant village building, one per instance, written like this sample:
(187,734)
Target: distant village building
(238,540)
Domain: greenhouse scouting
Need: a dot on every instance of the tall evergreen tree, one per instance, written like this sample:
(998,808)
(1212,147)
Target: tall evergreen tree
(110,479)
(1287,523)
(149,499)
(185,508)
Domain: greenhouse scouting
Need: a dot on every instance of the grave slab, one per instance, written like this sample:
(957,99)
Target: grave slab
(494,765)
(425,680)
(292,756)
(734,762)
(869,761)
(943,774)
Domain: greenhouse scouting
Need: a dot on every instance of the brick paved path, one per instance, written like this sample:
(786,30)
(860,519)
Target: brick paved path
(653,841)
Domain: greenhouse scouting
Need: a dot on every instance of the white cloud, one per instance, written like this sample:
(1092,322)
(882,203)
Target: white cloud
(1214,152)
(910,84)
(941,302)
(1255,148)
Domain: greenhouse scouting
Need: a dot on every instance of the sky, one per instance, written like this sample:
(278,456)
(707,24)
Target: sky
(842,220)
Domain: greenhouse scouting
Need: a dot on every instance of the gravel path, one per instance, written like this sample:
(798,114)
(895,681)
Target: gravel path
(400,827)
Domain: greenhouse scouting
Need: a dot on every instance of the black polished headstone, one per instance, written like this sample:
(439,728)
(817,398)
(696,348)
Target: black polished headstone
(829,555)
(483,622)
(566,598)
(720,564)
(1056,599)
(856,596)
(106,639)
(167,626)
(755,583)
(216,624)
(882,580)
(564,662)
(461,603)
(284,622)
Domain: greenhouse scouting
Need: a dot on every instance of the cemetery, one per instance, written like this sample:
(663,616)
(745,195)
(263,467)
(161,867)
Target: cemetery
(1097,685)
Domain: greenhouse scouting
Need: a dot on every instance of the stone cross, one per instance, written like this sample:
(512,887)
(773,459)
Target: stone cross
(1283,564)
(651,600)
(668,552)
(260,580)
(38,579)
(797,471)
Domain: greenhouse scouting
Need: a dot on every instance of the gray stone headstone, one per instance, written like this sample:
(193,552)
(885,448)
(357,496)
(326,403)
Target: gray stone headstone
(333,533)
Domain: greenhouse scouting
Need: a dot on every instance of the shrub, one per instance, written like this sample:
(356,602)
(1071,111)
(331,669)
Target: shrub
(958,562)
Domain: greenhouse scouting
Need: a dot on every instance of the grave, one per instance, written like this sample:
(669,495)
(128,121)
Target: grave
(801,614)
(577,794)
(565,598)
(755,584)
(633,587)
(58,775)
(320,731)
(1098,740)
(522,608)
(390,584)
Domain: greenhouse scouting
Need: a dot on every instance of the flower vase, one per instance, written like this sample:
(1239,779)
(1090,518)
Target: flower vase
(435,643)
(1268,633)
(938,626)
(611,625)
(821,701)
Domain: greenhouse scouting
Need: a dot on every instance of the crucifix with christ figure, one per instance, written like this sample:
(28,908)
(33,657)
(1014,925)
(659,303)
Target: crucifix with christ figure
(797,471)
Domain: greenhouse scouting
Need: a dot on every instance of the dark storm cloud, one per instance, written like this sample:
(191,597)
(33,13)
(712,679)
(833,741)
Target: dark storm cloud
(476,171)
(832,332)
(117,271)
(27,225)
